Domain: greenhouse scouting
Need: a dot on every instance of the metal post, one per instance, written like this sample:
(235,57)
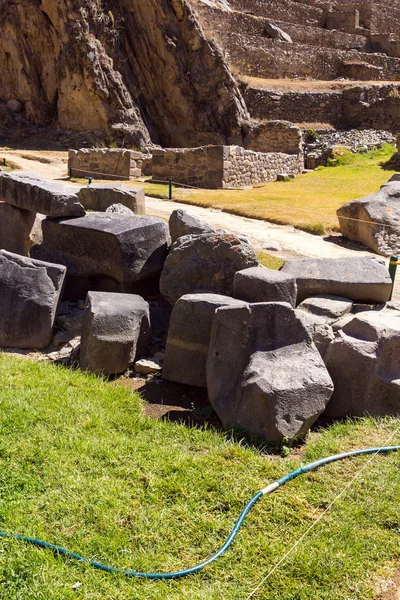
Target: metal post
(394,261)
(170,188)
(70,172)
(4,162)
(89,180)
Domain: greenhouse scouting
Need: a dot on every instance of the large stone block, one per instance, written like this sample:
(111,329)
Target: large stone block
(36,194)
(374,220)
(264,373)
(100,196)
(364,363)
(259,284)
(205,263)
(116,331)
(329,307)
(189,337)
(361,279)
(19,229)
(29,296)
(106,247)
(182,223)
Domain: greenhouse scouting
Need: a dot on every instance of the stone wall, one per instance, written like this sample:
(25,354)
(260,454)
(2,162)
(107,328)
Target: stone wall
(105,163)
(216,167)
(286,10)
(275,136)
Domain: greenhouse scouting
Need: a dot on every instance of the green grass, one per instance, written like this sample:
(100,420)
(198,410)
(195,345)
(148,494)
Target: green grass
(80,466)
(269,261)
(309,202)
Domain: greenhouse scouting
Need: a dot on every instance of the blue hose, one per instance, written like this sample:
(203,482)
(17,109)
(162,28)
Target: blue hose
(175,575)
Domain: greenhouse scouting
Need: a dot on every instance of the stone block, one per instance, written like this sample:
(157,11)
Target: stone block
(116,331)
(100,196)
(189,337)
(182,223)
(19,229)
(259,284)
(30,292)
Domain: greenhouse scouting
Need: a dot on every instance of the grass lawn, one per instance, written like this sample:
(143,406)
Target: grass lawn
(308,202)
(81,467)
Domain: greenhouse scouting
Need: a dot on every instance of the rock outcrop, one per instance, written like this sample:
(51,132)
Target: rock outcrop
(136,69)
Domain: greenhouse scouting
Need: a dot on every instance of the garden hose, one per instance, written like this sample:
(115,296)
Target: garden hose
(175,575)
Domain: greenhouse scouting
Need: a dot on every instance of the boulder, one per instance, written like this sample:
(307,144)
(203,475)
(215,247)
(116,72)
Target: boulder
(30,292)
(189,337)
(112,251)
(364,363)
(264,373)
(19,229)
(374,220)
(319,328)
(100,196)
(116,331)
(36,194)
(119,209)
(15,105)
(205,263)
(182,223)
(361,279)
(259,284)
(330,307)
(276,33)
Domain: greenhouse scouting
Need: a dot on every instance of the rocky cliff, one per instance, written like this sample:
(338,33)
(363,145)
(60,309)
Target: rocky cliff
(135,69)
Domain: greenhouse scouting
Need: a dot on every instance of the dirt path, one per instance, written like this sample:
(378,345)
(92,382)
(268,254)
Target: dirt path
(290,241)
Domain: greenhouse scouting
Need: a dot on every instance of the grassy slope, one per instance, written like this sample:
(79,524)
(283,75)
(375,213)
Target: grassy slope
(81,467)
(308,202)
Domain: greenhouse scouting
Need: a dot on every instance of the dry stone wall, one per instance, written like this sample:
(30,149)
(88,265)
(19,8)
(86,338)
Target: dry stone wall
(217,167)
(105,163)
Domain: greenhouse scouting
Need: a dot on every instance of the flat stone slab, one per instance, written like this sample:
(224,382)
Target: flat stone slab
(189,337)
(124,248)
(116,331)
(259,284)
(331,307)
(100,196)
(30,292)
(36,194)
(361,279)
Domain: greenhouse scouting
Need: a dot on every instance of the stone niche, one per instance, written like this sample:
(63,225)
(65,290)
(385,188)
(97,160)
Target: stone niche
(217,167)
(105,163)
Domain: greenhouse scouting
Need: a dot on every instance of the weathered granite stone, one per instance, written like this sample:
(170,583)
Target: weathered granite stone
(189,337)
(119,209)
(331,307)
(276,33)
(320,329)
(374,220)
(364,363)
(182,223)
(361,279)
(36,194)
(204,263)
(121,248)
(116,331)
(264,373)
(100,196)
(259,284)
(29,296)
(19,229)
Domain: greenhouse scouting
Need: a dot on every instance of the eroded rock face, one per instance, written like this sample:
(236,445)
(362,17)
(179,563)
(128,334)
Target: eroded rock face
(374,220)
(29,296)
(263,371)
(205,263)
(141,70)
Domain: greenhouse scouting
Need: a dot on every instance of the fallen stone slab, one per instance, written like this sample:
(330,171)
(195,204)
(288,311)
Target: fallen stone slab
(147,367)
(374,220)
(111,251)
(182,223)
(19,229)
(205,263)
(364,363)
(100,196)
(330,307)
(38,195)
(189,337)
(276,33)
(30,292)
(361,279)
(264,373)
(259,284)
(116,331)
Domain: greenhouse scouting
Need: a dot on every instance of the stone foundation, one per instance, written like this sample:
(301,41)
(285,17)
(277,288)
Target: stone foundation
(105,163)
(216,167)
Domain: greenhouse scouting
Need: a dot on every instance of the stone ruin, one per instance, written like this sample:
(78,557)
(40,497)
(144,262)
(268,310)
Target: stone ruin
(275,349)
(105,163)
